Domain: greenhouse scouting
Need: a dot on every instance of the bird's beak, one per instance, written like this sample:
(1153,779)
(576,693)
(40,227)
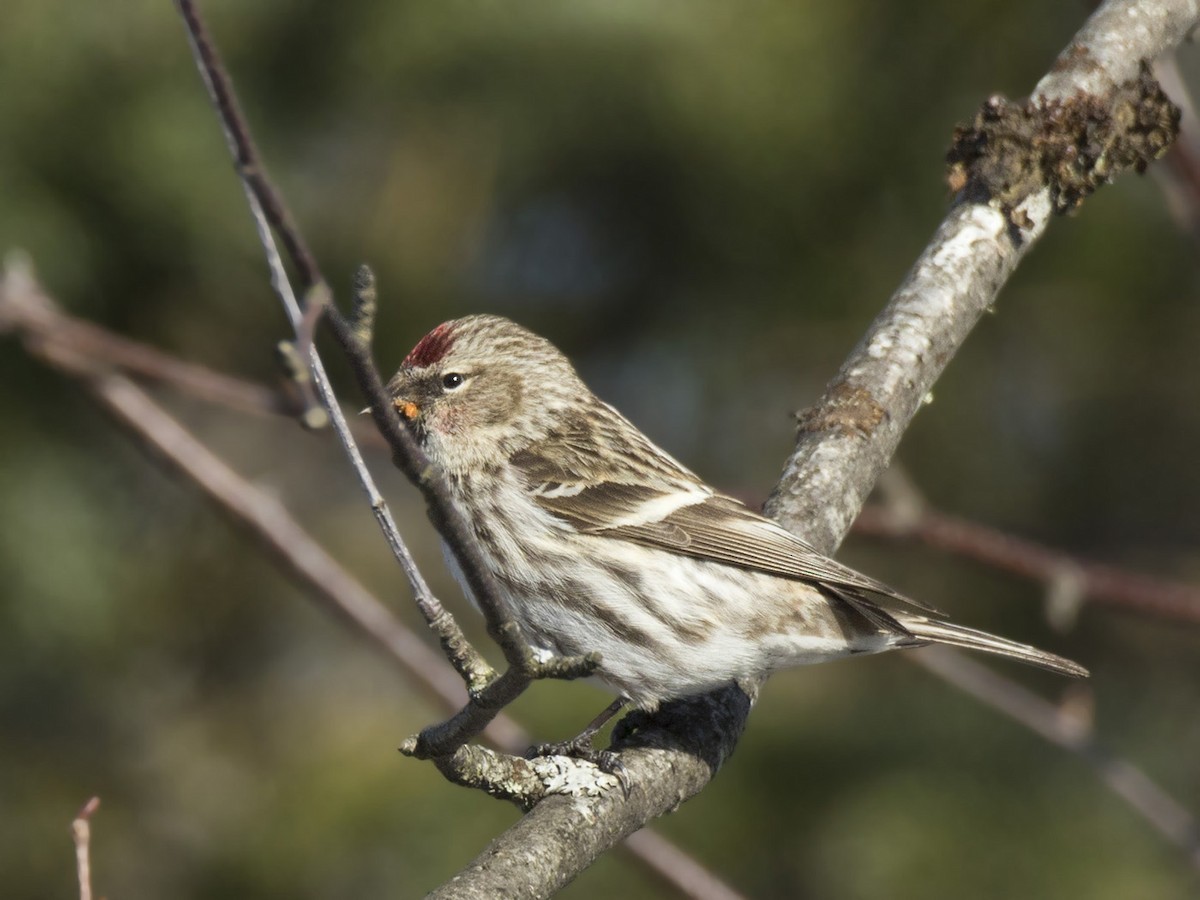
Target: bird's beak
(408,409)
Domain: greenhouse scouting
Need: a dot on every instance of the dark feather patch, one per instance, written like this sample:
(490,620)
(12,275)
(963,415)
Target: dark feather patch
(431,348)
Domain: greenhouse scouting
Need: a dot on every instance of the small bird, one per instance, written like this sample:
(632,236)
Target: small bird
(600,541)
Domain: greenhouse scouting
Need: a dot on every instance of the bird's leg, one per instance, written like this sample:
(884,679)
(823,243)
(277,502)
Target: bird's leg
(580,746)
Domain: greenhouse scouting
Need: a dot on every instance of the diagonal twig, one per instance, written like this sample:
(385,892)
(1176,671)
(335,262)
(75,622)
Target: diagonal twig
(488,692)
(268,209)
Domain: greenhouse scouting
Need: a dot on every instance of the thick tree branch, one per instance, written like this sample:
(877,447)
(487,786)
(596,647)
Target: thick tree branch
(848,438)
(845,443)
(562,836)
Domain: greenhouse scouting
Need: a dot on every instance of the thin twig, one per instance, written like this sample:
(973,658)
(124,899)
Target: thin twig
(335,589)
(81,834)
(25,305)
(488,692)
(249,166)
(268,209)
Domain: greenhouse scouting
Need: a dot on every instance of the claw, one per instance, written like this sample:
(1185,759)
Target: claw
(610,763)
(580,747)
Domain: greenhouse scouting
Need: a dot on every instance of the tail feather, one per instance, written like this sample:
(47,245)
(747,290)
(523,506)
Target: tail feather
(931,630)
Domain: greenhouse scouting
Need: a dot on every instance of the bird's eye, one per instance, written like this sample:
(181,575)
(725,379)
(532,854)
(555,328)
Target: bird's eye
(452,381)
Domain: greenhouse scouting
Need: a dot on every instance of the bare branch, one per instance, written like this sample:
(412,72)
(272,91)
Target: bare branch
(103,347)
(488,693)
(48,334)
(268,210)
(668,762)
(1098,583)
(676,868)
(846,441)
(237,132)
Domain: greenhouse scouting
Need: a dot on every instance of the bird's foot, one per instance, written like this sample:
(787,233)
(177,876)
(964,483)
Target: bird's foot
(581,747)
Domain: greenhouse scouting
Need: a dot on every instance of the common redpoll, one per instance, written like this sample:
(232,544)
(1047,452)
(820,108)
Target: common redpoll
(600,541)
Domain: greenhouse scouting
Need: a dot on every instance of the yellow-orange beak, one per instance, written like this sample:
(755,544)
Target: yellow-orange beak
(408,409)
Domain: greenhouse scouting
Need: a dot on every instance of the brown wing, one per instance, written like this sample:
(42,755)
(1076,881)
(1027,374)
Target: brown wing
(608,490)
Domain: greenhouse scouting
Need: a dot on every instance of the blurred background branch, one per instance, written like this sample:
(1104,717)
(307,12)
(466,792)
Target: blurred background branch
(1179,176)
(906,516)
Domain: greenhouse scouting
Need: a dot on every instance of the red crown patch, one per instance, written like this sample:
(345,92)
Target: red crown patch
(431,348)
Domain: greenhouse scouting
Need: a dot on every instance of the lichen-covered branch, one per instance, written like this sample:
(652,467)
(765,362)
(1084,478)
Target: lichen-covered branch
(1008,192)
(667,762)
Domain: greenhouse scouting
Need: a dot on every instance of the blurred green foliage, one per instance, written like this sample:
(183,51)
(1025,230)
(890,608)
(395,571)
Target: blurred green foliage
(704,203)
